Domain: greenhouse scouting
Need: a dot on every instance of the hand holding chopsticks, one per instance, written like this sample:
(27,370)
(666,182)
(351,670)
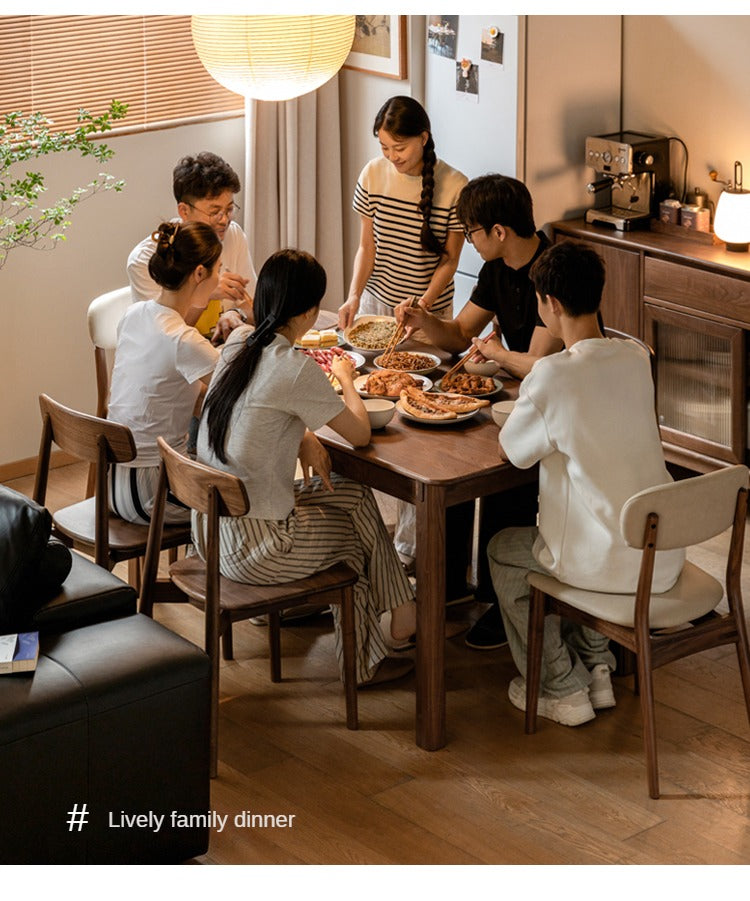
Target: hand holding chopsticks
(464,359)
(397,336)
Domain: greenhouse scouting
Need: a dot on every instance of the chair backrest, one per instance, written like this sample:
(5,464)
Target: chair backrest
(690,511)
(192,483)
(84,435)
(104,315)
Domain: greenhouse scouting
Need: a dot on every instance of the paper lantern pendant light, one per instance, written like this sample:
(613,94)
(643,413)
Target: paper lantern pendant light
(272,57)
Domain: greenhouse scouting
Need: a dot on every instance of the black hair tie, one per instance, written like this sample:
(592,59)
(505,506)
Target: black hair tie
(264,333)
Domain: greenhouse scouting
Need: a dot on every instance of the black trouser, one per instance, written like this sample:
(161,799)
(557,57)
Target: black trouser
(515,507)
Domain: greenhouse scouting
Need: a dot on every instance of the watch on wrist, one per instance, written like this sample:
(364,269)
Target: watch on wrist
(241,313)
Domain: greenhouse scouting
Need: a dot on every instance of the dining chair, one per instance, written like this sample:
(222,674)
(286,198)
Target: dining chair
(89,526)
(218,494)
(103,317)
(659,628)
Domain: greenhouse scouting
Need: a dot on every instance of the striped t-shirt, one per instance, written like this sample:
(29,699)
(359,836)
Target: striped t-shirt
(391,199)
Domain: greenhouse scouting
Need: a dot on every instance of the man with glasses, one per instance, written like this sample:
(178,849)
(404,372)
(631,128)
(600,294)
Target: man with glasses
(204,187)
(497,215)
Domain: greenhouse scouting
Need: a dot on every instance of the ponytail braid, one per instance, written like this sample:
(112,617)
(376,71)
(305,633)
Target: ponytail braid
(427,238)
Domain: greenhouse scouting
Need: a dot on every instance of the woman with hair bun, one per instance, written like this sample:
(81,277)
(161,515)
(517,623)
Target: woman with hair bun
(162,365)
(265,402)
(410,237)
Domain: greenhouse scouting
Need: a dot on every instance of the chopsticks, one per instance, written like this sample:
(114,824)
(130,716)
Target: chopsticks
(464,359)
(397,335)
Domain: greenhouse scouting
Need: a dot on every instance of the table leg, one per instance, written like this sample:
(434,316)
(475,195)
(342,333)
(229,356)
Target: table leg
(430,572)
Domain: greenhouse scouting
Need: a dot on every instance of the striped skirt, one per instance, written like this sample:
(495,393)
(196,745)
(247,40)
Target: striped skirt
(325,527)
(132,492)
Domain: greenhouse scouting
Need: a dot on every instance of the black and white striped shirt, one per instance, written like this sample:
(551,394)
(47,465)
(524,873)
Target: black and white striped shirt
(391,199)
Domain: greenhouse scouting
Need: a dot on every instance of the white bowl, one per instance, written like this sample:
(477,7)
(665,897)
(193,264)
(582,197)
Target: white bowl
(502,410)
(488,368)
(379,410)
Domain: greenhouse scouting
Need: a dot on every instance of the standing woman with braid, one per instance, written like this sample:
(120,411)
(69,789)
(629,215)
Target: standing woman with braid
(410,237)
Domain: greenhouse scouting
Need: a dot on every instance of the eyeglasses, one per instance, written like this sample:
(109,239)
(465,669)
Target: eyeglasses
(216,215)
(468,233)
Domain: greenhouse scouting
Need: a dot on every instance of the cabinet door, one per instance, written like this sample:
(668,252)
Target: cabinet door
(700,383)
(621,299)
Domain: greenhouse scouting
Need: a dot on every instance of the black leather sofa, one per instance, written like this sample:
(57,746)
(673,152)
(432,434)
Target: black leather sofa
(112,724)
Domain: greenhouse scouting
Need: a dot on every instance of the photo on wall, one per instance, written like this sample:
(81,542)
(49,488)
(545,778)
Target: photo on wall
(442,34)
(379,46)
(492,44)
(467,79)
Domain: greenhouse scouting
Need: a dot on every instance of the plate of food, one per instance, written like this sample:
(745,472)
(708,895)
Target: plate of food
(389,383)
(320,338)
(408,361)
(470,385)
(437,409)
(371,333)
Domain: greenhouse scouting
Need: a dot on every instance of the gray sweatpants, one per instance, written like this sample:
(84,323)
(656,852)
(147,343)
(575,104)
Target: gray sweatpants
(569,651)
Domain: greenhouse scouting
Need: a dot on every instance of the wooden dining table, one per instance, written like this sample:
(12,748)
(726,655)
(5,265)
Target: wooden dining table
(432,467)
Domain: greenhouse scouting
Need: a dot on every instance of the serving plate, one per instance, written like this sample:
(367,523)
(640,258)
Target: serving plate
(498,387)
(361,380)
(460,417)
(339,341)
(363,320)
(436,361)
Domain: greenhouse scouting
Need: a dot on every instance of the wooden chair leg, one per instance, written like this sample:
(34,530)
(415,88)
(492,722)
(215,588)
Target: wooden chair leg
(646,684)
(172,555)
(743,658)
(91,481)
(350,652)
(534,647)
(227,639)
(134,573)
(274,645)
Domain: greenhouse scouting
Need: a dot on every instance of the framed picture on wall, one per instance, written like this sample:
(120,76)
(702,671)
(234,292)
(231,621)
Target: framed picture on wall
(379,46)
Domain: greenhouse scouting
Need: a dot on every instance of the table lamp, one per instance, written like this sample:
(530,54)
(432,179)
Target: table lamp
(732,220)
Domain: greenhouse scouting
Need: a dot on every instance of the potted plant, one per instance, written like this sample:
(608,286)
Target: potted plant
(24,222)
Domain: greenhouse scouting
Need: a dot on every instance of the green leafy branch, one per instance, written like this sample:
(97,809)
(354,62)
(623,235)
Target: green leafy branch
(24,138)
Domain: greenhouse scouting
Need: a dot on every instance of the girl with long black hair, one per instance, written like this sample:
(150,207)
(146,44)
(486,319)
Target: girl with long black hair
(410,237)
(264,404)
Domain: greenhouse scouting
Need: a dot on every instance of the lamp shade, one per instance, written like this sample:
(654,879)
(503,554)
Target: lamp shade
(272,57)
(732,220)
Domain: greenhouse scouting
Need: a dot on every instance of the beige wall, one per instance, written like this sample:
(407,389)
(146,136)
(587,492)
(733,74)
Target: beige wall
(683,75)
(689,76)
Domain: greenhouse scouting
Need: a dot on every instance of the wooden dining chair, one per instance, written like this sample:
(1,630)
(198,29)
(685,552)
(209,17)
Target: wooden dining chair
(88,525)
(659,628)
(217,494)
(103,317)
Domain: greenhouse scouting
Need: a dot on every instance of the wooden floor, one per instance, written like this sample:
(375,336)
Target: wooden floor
(493,795)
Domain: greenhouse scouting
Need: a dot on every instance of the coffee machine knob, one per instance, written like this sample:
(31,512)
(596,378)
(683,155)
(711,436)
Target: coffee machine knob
(607,156)
(644,159)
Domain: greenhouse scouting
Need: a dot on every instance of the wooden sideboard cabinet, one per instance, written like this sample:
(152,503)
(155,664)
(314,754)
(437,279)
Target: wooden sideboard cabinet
(691,303)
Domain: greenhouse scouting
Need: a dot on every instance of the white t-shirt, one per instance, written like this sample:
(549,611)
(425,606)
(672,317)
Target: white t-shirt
(391,199)
(586,415)
(288,393)
(159,361)
(235,257)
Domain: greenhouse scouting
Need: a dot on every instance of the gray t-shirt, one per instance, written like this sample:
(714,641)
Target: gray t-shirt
(288,393)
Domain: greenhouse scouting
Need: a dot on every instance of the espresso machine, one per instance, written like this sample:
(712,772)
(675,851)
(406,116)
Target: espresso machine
(632,178)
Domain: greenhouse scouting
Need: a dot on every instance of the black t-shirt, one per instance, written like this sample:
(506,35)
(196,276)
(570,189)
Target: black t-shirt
(510,296)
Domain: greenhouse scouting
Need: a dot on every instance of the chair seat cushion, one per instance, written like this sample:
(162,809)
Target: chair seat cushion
(126,539)
(693,595)
(190,575)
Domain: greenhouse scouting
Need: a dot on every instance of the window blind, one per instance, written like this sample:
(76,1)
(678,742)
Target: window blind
(59,64)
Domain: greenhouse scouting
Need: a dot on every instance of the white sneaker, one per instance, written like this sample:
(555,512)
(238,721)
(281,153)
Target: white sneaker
(569,711)
(601,694)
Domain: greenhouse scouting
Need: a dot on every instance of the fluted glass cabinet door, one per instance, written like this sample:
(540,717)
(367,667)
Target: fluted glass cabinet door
(700,382)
